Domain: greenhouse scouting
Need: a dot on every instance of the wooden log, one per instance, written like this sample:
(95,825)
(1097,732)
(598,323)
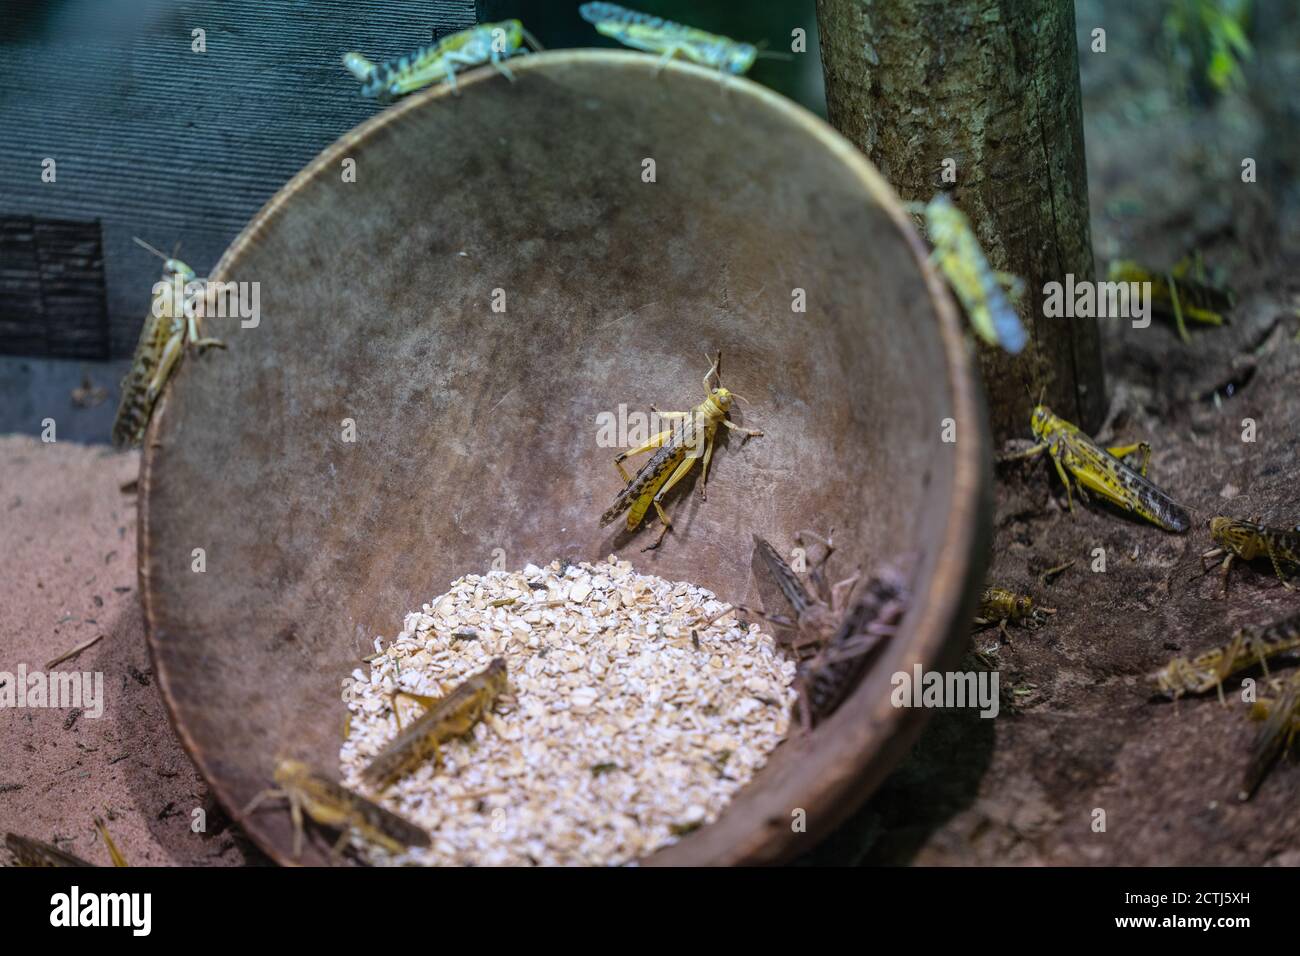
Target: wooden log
(993,87)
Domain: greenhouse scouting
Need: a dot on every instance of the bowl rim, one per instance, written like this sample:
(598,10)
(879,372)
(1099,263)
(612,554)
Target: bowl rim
(959,565)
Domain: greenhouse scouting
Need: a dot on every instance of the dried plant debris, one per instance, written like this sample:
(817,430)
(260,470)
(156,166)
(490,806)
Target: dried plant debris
(622,703)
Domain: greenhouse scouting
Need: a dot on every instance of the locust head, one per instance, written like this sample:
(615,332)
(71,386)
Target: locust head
(511,37)
(1040,421)
(1239,537)
(290,771)
(496,675)
(1176,678)
(358,66)
(739,58)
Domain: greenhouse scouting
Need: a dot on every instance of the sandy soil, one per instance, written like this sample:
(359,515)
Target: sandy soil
(69,574)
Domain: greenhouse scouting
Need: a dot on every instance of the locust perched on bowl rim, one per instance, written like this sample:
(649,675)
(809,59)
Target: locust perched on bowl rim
(645,31)
(174,321)
(985,294)
(486,43)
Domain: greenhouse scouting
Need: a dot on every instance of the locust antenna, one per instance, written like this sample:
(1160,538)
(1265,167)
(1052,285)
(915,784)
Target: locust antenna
(714,369)
(141,242)
(532,40)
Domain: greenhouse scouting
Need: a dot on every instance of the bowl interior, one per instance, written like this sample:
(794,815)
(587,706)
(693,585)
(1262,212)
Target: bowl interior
(499,276)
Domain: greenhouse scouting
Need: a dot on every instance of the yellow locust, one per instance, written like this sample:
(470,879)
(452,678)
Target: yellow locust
(36,853)
(1183,292)
(1248,540)
(1249,646)
(1281,726)
(675,451)
(445,718)
(333,805)
(485,43)
(1101,470)
(172,323)
(1000,606)
(979,287)
(644,31)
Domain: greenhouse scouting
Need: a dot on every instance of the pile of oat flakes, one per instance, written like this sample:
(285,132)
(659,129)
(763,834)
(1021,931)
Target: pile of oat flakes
(628,721)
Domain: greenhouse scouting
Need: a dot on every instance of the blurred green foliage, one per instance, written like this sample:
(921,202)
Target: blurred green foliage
(1207,39)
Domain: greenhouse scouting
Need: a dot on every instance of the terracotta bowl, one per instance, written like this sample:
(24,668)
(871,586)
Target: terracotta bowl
(477,429)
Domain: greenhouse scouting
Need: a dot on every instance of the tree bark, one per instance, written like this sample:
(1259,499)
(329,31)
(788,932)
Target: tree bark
(994,86)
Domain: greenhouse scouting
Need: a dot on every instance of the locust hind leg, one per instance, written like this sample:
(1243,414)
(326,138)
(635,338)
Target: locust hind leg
(295,814)
(1123,451)
(1065,480)
(171,354)
(704,470)
(667,526)
(656,441)
(424,700)
(657,501)
(1277,569)
(1178,309)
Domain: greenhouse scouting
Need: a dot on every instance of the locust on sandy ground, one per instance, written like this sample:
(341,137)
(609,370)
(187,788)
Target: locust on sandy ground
(1249,646)
(30,852)
(331,804)
(675,452)
(1248,540)
(444,719)
(1101,470)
